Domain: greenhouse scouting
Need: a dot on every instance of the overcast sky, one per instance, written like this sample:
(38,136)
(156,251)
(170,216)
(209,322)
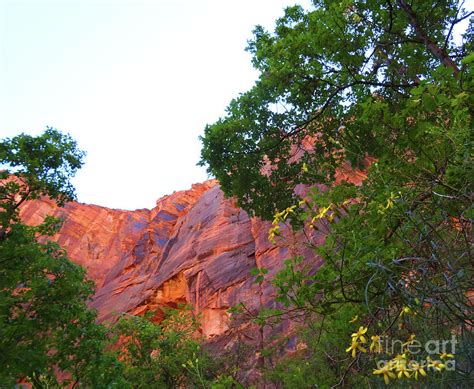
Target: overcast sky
(134,82)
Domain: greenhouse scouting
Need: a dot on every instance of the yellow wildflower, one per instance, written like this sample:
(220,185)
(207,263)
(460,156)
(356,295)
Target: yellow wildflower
(402,369)
(405,311)
(410,341)
(359,335)
(273,232)
(386,370)
(287,211)
(400,358)
(437,365)
(331,217)
(376,344)
(322,212)
(354,347)
(354,319)
(416,368)
(390,202)
(446,356)
(278,217)
(304,168)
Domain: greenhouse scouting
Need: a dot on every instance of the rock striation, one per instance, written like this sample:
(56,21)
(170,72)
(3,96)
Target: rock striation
(195,247)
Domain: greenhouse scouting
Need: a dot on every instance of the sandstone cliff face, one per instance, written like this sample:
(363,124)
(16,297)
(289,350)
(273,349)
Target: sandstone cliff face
(194,247)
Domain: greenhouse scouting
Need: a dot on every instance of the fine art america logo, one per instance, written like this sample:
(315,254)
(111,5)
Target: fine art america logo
(410,358)
(440,352)
(415,347)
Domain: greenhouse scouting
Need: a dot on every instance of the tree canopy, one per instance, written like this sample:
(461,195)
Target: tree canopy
(382,86)
(43,312)
(319,71)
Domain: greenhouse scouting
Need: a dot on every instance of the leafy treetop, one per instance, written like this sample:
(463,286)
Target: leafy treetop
(42,165)
(317,69)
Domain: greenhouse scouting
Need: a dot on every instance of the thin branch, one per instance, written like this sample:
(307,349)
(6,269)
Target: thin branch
(301,126)
(390,12)
(432,47)
(453,23)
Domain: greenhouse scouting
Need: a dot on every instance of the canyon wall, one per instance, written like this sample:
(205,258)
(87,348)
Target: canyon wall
(194,247)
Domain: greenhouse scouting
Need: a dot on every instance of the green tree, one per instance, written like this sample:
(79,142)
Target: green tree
(48,335)
(339,83)
(316,71)
(44,320)
(165,355)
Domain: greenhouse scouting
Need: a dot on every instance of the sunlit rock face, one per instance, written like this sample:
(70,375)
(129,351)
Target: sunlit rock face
(195,247)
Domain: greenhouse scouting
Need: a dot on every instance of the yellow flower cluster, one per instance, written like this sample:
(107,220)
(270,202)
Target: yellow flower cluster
(329,212)
(322,213)
(400,366)
(281,217)
(358,339)
(390,202)
(376,344)
(277,219)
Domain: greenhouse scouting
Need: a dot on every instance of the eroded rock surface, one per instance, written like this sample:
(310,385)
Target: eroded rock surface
(195,247)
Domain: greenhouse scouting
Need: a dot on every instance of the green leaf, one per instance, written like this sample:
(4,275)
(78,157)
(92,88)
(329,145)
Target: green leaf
(468,59)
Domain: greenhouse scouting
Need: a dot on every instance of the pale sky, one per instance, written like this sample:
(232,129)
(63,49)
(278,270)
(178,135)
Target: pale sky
(134,82)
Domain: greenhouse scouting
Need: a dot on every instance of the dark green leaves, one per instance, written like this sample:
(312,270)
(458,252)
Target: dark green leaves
(317,70)
(44,320)
(45,163)
(380,86)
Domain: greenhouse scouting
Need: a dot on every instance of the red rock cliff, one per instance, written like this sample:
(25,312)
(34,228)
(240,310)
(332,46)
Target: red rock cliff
(194,247)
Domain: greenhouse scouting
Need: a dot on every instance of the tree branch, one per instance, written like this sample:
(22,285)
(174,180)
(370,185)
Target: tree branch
(432,47)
